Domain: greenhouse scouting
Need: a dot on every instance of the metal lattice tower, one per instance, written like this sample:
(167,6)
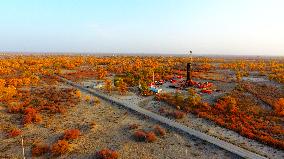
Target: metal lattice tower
(190,56)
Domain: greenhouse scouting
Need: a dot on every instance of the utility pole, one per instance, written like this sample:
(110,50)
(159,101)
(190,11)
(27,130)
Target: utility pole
(23,148)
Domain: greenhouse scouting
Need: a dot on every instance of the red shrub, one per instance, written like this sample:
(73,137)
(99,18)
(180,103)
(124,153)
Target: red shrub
(140,135)
(37,118)
(31,116)
(60,147)
(39,150)
(249,135)
(202,114)
(27,119)
(232,112)
(159,131)
(71,134)
(279,107)
(107,154)
(61,110)
(151,137)
(14,132)
(220,121)
(30,110)
(14,109)
(228,104)
(176,114)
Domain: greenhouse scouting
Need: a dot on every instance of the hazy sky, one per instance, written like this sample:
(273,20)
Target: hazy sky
(152,26)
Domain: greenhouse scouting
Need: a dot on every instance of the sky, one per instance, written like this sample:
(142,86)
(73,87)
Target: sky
(230,27)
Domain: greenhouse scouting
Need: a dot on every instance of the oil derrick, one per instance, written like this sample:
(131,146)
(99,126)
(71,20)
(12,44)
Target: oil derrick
(188,70)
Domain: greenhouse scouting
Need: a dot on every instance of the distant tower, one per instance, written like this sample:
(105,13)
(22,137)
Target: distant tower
(188,68)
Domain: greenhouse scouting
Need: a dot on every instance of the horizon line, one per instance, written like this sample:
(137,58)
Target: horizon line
(132,53)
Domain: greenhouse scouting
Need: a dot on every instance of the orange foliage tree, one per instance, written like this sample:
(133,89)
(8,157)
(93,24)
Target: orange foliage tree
(101,72)
(122,87)
(108,85)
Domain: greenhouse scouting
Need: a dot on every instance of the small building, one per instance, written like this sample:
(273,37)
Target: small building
(87,84)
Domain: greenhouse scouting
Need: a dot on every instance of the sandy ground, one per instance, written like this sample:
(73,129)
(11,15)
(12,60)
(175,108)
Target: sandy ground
(205,126)
(110,131)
